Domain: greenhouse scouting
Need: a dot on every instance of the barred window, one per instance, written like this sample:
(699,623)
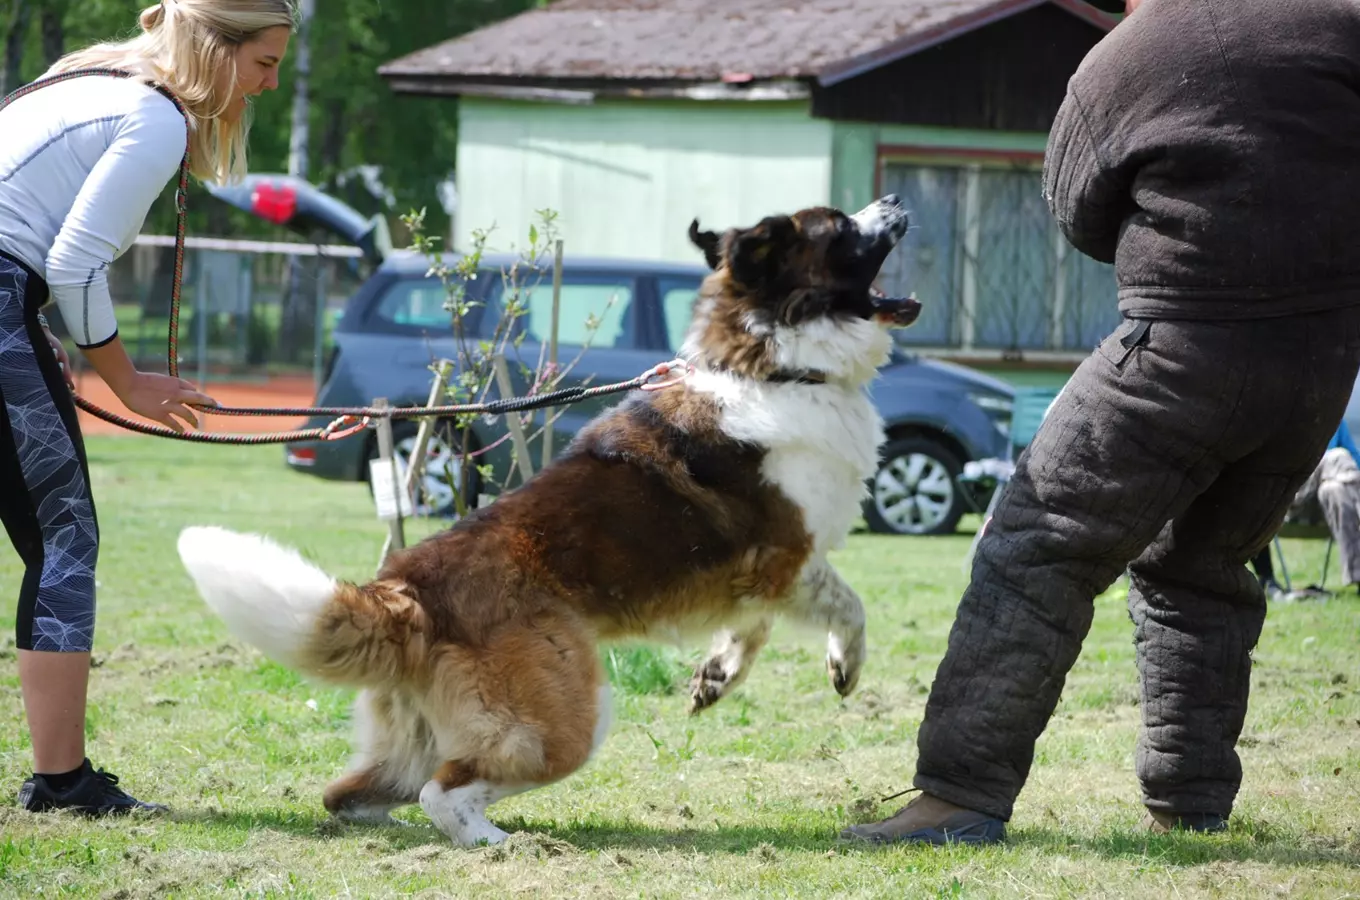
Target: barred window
(990,266)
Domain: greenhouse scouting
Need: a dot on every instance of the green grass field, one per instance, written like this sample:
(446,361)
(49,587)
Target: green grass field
(744,801)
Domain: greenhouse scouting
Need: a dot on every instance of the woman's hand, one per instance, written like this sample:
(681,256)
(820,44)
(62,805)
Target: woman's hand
(157,397)
(163,399)
(62,358)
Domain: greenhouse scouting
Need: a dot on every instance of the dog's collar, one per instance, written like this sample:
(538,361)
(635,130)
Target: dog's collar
(796,376)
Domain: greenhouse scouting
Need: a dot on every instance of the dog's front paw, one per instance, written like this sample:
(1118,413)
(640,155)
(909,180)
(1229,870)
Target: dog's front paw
(708,685)
(842,680)
(843,665)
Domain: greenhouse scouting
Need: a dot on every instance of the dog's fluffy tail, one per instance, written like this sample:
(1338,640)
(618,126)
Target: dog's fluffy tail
(302,618)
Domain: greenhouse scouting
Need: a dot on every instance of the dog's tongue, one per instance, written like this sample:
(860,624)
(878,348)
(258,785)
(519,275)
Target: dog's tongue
(897,311)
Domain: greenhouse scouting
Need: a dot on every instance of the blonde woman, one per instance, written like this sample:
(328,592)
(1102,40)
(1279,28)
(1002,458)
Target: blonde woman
(80,164)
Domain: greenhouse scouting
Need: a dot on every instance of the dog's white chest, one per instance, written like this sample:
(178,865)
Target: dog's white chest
(828,495)
(824,468)
(821,444)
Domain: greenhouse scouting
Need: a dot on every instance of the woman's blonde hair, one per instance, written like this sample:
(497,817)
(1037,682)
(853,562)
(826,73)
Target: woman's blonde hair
(184,44)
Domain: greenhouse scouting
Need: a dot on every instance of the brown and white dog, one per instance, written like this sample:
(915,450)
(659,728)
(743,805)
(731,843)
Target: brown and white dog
(705,508)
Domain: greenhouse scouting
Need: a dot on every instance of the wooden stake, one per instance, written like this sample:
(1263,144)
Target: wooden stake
(415,467)
(552,350)
(396,530)
(507,389)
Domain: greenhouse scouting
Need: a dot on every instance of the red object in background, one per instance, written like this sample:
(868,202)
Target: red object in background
(277,204)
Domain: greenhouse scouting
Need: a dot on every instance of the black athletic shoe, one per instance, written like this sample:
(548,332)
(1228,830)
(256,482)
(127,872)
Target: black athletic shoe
(96,794)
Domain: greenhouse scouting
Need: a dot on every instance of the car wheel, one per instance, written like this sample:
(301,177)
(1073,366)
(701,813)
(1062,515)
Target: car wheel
(915,490)
(443,467)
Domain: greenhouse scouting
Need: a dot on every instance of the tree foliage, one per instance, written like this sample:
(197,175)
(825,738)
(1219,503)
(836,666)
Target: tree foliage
(356,120)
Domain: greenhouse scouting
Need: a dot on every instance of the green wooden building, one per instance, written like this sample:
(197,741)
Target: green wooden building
(630,119)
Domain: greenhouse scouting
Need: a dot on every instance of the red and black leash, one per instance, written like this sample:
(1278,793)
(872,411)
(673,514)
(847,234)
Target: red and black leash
(349,420)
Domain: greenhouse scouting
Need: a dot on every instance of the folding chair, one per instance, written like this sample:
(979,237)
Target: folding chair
(1314,530)
(1305,531)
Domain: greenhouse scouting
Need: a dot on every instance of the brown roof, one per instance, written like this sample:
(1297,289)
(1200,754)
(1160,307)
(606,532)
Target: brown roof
(709,40)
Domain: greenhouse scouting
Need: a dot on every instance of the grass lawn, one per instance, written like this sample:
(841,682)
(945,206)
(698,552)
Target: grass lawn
(743,801)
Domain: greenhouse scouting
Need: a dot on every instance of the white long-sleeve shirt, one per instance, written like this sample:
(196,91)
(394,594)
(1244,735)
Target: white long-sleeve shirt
(81,162)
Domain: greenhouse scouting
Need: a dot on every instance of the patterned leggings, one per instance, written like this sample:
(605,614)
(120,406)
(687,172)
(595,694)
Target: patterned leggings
(45,500)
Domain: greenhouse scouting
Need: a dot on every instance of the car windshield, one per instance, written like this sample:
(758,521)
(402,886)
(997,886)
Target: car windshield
(677,296)
(418,303)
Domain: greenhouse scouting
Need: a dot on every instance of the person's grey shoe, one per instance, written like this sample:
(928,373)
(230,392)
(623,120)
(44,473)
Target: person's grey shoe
(930,820)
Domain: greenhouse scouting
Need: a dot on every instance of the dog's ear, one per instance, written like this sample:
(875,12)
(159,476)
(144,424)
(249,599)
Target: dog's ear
(755,254)
(707,241)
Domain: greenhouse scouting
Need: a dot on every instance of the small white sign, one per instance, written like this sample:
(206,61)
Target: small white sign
(385,491)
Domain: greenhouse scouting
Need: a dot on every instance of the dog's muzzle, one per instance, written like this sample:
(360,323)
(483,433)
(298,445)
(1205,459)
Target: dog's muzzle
(896,312)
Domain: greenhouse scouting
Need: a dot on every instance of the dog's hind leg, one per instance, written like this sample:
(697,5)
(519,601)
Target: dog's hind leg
(730,658)
(522,712)
(367,796)
(456,801)
(396,754)
(822,598)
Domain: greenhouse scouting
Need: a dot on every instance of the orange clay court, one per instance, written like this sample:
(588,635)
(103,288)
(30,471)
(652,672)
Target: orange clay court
(285,390)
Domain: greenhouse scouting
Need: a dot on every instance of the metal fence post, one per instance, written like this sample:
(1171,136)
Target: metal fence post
(201,325)
(319,338)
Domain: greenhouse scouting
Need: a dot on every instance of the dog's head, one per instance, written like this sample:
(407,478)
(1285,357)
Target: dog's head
(795,293)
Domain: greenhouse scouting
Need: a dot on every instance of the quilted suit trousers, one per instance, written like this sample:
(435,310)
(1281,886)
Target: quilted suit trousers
(1174,451)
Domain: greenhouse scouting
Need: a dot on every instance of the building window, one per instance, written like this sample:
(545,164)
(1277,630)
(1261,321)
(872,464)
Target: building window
(987,262)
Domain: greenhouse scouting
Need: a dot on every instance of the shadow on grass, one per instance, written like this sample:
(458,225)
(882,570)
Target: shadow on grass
(1241,844)
(301,824)
(1250,843)
(625,835)
(585,836)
